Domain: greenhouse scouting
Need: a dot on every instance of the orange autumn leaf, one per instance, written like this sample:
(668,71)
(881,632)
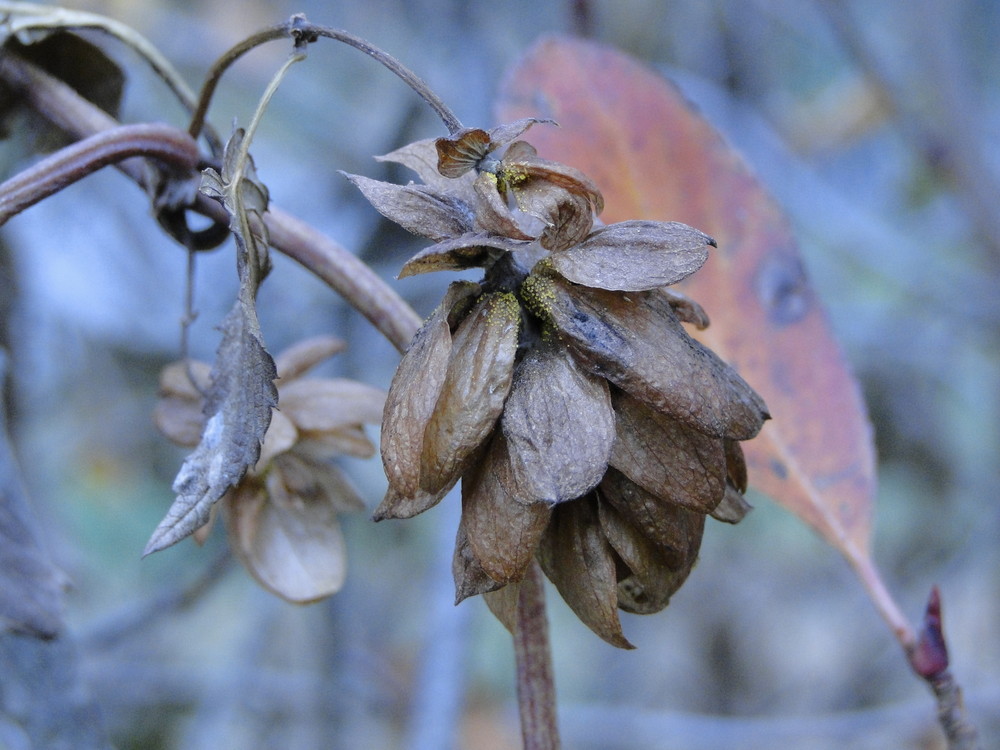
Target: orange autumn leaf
(655,158)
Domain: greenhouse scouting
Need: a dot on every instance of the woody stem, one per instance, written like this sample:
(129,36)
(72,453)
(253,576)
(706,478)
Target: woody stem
(536,690)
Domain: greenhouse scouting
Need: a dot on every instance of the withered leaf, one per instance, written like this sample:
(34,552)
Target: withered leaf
(634,255)
(472,396)
(567,216)
(470,578)
(472,250)
(413,393)
(287,533)
(502,533)
(654,573)
(665,524)
(686,309)
(668,458)
(521,160)
(238,404)
(637,343)
(419,209)
(559,427)
(281,435)
(578,559)
(303,355)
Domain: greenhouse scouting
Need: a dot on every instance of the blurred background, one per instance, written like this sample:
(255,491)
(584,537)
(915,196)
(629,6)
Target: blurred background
(873,124)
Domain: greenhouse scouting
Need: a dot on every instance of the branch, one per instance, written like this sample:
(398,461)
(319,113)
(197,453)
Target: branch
(536,690)
(347,275)
(74,162)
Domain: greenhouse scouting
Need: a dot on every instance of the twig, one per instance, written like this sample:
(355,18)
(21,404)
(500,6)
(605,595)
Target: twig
(353,280)
(536,691)
(305,32)
(76,161)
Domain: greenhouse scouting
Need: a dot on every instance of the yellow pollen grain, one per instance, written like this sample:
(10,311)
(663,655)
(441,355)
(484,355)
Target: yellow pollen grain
(539,295)
(502,309)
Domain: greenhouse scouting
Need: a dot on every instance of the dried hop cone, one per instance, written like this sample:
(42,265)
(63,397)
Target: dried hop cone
(282,517)
(589,429)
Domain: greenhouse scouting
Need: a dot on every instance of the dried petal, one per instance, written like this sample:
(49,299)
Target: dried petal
(664,524)
(502,533)
(422,158)
(320,404)
(417,208)
(668,458)
(280,437)
(686,309)
(409,404)
(637,342)
(501,135)
(180,419)
(521,161)
(736,465)
(306,354)
(567,216)
(653,573)
(470,578)
(578,559)
(634,256)
(349,440)
(559,427)
(175,379)
(462,152)
(503,604)
(493,215)
(474,389)
(733,508)
(289,539)
(470,250)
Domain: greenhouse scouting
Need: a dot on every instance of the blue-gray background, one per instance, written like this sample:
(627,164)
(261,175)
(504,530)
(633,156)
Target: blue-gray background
(875,128)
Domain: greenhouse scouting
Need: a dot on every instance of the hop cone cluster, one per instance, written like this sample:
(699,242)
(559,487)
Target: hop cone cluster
(589,430)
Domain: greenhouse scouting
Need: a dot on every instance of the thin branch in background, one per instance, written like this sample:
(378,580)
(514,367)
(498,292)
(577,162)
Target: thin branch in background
(137,617)
(948,132)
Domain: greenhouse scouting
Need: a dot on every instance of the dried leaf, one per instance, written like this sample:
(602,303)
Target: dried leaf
(70,58)
(559,427)
(578,559)
(302,356)
(238,404)
(656,158)
(281,435)
(321,404)
(418,209)
(733,508)
(502,532)
(410,403)
(493,215)
(634,255)
(686,309)
(668,458)
(472,396)
(287,534)
(638,344)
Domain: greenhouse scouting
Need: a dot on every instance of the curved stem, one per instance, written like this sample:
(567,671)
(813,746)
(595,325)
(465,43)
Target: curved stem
(305,32)
(358,284)
(76,161)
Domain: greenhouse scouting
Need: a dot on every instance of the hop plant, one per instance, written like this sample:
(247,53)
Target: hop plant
(282,515)
(589,430)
